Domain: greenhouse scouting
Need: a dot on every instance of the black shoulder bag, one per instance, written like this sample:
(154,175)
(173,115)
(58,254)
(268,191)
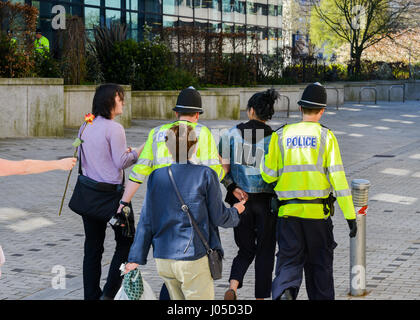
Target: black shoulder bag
(93,199)
(215,258)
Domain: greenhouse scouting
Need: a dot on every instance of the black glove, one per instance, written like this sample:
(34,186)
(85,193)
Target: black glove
(353,227)
(125,221)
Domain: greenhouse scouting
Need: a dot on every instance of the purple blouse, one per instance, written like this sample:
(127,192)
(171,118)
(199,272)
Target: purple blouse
(104,149)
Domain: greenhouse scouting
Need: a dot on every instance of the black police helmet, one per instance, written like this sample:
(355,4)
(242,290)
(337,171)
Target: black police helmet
(314,96)
(38,30)
(189,100)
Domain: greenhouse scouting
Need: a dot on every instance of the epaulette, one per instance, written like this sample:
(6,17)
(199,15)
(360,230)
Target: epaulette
(325,126)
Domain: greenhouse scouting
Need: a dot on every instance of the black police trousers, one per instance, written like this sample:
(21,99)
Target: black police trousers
(255,237)
(92,267)
(305,245)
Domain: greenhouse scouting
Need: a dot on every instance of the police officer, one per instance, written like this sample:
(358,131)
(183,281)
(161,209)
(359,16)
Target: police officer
(41,44)
(300,157)
(155,153)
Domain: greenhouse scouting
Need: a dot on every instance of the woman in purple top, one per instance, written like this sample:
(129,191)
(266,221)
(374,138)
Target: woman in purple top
(104,155)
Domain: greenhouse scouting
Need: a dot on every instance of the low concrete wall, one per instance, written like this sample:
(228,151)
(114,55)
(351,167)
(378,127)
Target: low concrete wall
(293,92)
(217,104)
(352,90)
(31,107)
(78,101)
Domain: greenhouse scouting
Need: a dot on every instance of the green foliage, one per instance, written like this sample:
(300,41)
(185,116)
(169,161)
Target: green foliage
(145,65)
(46,66)
(13,63)
(320,33)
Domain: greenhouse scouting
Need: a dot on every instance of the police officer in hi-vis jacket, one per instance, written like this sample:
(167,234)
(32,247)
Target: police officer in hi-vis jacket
(304,164)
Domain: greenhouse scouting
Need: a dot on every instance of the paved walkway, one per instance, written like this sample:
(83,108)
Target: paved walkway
(380,143)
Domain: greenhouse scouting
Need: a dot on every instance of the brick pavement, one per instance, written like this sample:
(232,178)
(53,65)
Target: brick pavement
(380,143)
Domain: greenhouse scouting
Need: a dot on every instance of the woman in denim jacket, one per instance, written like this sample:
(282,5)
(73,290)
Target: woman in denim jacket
(180,255)
(243,147)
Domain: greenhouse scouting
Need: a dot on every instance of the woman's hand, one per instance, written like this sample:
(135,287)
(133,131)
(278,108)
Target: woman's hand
(240,194)
(66,164)
(240,206)
(130,266)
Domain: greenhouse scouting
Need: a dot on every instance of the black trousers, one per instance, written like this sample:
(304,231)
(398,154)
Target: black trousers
(92,267)
(255,237)
(305,245)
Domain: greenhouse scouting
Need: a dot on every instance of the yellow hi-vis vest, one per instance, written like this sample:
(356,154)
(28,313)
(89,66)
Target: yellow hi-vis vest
(299,158)
(156,155)
(42,45)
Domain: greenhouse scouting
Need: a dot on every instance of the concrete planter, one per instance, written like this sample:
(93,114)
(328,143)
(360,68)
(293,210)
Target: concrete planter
(31,107)
(78,101)
(159,104)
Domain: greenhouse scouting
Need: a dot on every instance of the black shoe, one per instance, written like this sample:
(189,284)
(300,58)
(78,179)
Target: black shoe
(103,297)
(287,295)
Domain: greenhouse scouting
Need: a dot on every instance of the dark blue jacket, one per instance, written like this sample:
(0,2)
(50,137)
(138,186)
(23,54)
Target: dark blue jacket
(165,226)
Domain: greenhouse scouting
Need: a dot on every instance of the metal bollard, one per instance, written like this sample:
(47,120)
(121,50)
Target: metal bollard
(359,190)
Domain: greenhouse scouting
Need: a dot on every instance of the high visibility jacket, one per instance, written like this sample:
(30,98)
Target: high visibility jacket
(299,158)
(42,45)
(156,154)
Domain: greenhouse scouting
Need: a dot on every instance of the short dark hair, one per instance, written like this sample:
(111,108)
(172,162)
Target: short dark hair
(263,104)
(104,99)
(187,114)
(311,111)
(180,140)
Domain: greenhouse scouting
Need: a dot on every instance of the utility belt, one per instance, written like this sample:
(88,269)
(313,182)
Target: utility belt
(276,203)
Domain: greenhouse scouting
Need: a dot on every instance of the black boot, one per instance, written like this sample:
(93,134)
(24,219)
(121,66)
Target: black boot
(287,294)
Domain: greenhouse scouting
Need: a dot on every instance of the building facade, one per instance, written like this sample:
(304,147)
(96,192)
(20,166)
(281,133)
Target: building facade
(262,17)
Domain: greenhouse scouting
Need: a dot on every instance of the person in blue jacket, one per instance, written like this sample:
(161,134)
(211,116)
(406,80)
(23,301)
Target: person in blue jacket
(242,149)
(180,255)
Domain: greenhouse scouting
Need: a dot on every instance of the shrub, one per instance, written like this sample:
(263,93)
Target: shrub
(14,63)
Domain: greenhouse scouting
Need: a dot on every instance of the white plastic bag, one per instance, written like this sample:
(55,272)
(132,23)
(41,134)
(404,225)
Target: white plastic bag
(148,293)
(2,259)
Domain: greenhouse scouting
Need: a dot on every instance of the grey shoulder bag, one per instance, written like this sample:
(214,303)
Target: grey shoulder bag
(215,258)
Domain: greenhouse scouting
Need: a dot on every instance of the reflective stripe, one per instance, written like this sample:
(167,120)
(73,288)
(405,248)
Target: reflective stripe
(303,193)
(270,172)
(146,162)
(343,193)
(323,142)
(335,168)
(163,160)
(280,142)
(210,162)
(154,143)
(300,168)
(221,174)
(137,176)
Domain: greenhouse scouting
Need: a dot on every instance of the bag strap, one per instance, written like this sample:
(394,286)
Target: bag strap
(185,208)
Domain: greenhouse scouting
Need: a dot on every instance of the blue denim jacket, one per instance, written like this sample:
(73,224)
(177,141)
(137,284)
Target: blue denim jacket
(165,226)
(245,159)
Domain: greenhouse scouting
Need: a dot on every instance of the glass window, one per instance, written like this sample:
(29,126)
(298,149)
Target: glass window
(201,9)
(215,27)
(215,9)
(170,7)
(132,25)
(93,2)
(154,21)
(185,8)
(153,6)
(112,16)
(132,5)
(113,3)
(227,8)
(92,17)
(272,40)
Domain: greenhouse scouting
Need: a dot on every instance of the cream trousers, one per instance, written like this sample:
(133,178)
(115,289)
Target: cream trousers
(187,280)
